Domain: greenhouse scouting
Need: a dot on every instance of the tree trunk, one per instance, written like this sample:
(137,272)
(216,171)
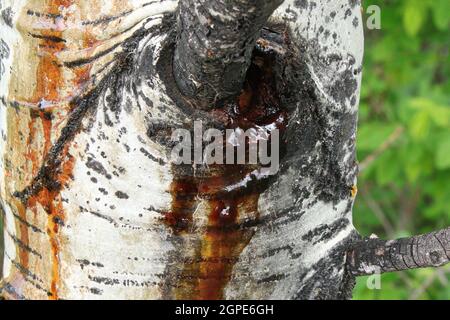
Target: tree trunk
(94,207)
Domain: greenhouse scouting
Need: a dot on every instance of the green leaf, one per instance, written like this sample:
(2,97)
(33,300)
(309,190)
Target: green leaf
(441,14)
(387,168)
(372,135)
(415,163)
(419,125)
(438,113)
(414,17)
(443,154)
(413,171)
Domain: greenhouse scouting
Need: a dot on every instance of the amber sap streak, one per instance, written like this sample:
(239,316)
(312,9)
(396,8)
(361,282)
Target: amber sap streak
(23,253)
(38,142)
(222,244)
(205,276)
(48,80)
(52,203)
(49,83)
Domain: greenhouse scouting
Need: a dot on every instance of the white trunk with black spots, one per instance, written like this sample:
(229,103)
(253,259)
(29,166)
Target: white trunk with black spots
(89,195)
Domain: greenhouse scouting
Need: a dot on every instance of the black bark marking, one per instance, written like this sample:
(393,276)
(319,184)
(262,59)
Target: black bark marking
(303,4)
(101,216)
(7,16)
(98,167)
(84,263)
(326,232)
(24,246)
(121,195)
(49,38)
(327,283)
(82,62)
(27,224)
(104,280)
(151,157)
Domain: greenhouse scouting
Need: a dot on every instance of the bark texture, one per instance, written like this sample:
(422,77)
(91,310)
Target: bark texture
(214,46)
(93,207)
(377,256)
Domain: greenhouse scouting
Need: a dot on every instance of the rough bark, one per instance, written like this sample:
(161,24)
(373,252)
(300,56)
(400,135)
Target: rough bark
(378,256)
(214,46)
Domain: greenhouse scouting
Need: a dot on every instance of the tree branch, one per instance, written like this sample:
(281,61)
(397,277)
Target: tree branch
(214,46)
(371,256)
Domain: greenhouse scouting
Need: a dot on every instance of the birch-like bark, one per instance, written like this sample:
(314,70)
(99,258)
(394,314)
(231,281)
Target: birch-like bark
(214,46)
(94,207)
(371,256)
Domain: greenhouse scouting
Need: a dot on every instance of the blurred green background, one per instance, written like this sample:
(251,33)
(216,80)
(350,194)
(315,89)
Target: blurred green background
(404,137)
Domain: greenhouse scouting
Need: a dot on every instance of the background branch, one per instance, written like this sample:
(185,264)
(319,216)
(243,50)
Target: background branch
(437,274)
(378,212)
(381,149)
(214,46)
(371,256)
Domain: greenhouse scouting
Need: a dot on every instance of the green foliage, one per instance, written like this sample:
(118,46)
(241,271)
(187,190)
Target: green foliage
(406,85)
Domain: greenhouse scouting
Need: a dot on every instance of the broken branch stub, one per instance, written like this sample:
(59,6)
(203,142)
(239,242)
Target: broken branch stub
(214,46)
(379,256)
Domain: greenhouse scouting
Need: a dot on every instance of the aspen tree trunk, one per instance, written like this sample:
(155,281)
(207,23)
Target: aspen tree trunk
(92,206)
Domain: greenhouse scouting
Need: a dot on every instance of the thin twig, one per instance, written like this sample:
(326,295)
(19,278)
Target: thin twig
(379,213)
(416,294)
(381,149)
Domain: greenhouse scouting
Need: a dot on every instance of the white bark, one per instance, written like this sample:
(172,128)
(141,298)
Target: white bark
(85,193)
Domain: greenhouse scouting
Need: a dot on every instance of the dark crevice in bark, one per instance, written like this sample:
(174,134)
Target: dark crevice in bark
(214,46)
(374,255)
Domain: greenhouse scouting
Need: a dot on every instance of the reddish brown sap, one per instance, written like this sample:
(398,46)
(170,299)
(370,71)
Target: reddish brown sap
(218,246)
